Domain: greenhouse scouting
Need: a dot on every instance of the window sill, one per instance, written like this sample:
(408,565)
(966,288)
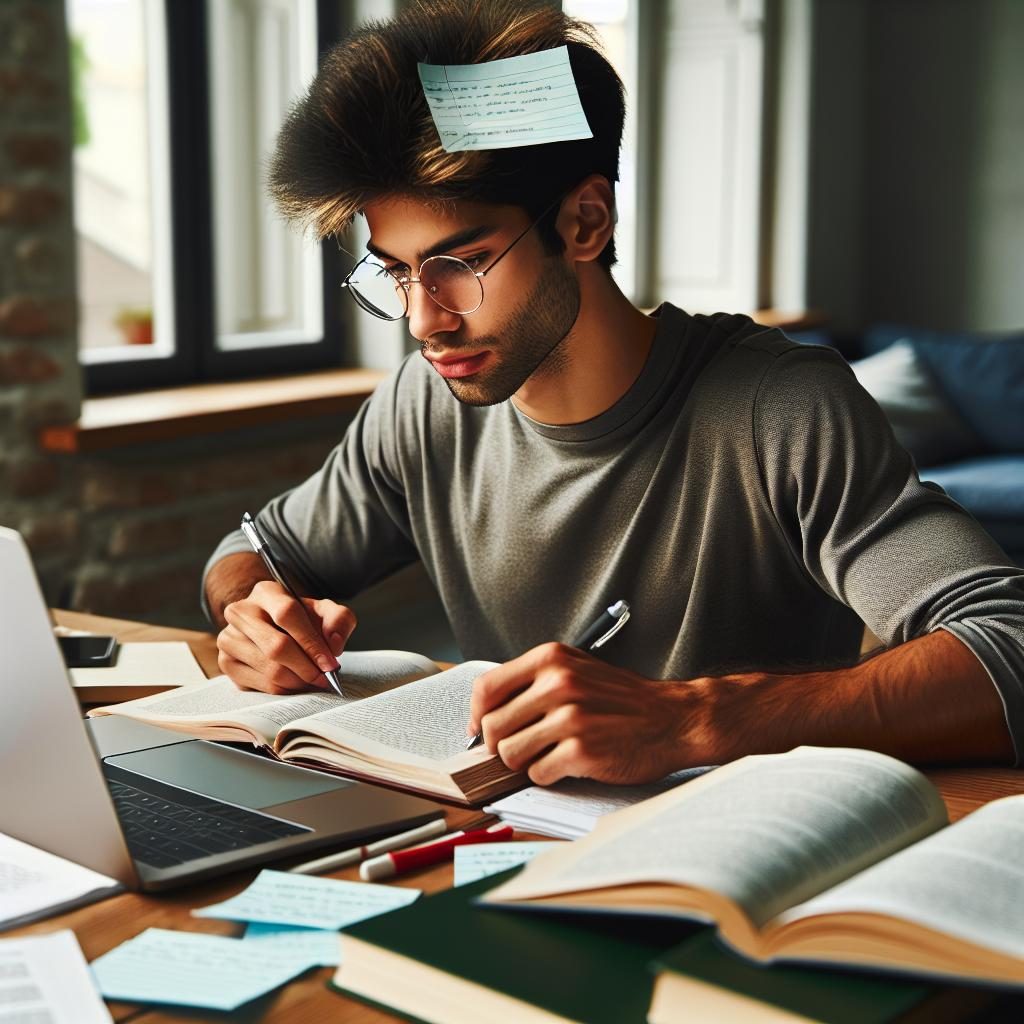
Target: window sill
(116,421)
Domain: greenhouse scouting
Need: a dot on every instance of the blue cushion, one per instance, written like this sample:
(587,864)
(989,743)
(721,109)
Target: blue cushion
(991,488)
(923,421)
(982,377)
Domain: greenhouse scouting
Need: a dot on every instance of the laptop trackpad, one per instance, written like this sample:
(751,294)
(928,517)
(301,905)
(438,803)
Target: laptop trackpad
(226,774)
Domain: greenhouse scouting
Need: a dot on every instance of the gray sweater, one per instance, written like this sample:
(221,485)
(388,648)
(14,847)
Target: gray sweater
(746,496)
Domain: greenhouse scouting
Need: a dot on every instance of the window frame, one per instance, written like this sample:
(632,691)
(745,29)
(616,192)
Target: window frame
(196,358)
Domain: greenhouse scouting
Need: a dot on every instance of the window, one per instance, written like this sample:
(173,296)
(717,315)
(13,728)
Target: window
(692,170)
(185,271)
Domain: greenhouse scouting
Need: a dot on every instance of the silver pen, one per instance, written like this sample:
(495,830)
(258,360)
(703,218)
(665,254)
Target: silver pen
(595,636)
(259,544)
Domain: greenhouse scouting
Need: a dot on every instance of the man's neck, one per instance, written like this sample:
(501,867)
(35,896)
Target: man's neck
(599,360)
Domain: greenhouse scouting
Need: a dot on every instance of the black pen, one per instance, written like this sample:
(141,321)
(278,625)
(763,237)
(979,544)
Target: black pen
(259,544)
(596,635)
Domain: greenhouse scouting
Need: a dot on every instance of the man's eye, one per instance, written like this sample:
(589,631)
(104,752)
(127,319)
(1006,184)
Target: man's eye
(398,270)
(475,261)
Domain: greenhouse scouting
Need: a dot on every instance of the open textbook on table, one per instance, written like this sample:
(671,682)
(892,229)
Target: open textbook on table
(402,722)
(819,855)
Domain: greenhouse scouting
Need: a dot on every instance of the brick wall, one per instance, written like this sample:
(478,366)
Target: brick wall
(39,377)
(124,533)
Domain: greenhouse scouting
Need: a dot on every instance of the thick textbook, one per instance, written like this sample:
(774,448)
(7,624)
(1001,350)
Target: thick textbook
(445,959)
(402,723)
(832,856)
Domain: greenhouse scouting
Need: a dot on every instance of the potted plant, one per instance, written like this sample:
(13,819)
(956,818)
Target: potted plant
(136,326)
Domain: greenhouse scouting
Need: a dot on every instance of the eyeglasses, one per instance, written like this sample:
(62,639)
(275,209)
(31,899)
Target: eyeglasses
(450,282)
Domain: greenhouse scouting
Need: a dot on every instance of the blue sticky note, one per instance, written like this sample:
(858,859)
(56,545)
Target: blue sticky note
(321,948)
(482,859)
(516,101)
(190,969)
(278,897)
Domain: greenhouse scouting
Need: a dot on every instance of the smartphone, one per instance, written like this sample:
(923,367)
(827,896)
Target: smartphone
(88,651)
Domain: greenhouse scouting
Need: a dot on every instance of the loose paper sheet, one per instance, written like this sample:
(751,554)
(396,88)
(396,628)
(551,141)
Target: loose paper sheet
(483,859)
(33,881)
(516,101)
(277,897)
(189,969)
(322,948)
(163,663)
(44,980)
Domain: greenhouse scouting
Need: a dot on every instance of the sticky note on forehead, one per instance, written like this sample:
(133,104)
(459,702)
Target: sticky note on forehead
(516,101)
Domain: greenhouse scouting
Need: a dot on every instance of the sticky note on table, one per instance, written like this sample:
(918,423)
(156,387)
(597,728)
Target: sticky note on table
(278,897)
(515,101)
(320,948)
(190,969)
(483,859)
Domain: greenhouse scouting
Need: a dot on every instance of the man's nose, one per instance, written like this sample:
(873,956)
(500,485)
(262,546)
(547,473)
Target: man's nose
(426,317)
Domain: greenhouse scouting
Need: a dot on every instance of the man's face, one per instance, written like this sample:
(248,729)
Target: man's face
(530,298)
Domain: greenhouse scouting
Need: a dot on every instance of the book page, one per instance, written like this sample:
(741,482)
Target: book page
(966,880)
(766,832)
(425,720)
(220,701)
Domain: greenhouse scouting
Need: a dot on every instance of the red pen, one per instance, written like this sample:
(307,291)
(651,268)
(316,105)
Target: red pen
(395,863)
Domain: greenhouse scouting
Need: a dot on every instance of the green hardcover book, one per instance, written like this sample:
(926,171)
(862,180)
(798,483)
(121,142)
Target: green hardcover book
(700,980)
(444,959)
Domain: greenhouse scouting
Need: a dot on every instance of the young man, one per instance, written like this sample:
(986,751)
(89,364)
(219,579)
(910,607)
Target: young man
(551,449)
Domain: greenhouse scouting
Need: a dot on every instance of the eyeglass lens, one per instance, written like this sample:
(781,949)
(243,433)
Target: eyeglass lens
(449,281)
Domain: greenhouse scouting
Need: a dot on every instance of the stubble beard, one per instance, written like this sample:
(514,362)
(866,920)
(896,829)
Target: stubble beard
(529,343)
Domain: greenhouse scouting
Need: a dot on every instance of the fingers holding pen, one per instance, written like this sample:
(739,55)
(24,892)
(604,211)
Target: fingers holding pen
(289,644)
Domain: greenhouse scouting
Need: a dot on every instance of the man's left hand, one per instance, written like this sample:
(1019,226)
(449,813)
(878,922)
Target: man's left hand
(556,712)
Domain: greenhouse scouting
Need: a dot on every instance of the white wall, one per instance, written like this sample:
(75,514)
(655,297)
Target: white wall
(917,144)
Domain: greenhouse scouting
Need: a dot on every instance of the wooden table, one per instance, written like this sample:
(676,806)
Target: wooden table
(307,1000)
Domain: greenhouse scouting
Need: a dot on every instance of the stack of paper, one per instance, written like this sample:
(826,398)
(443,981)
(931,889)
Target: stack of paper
(44,979)
(571,808)
(35,884)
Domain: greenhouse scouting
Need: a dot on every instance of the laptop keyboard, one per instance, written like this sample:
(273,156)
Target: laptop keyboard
(163,830)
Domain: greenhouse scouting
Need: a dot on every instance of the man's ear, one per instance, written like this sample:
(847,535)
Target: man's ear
(586,219)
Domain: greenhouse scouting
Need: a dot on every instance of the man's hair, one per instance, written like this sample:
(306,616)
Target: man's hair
(364,130)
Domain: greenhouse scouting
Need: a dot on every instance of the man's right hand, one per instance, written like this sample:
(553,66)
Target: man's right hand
(270,643)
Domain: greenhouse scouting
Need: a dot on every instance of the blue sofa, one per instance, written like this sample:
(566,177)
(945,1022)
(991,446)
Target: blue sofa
(956,402)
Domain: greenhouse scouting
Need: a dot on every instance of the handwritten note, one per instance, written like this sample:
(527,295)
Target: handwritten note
(189,969)
(320,948)
(277,897)
(479,861)
(516,101)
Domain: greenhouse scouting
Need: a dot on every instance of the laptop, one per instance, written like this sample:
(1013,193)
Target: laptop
(146,806)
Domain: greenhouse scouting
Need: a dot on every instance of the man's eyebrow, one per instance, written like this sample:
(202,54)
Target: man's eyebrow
(454,241)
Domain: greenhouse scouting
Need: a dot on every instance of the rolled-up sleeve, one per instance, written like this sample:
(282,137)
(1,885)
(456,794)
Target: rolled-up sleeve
(901,553)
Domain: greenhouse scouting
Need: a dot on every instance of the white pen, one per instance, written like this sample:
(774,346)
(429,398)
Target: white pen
(359,853)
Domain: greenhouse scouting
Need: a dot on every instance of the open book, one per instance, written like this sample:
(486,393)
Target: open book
(818,855)
(401,722)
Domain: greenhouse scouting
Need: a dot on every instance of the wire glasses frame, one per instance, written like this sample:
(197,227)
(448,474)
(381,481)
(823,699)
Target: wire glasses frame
(450,282)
